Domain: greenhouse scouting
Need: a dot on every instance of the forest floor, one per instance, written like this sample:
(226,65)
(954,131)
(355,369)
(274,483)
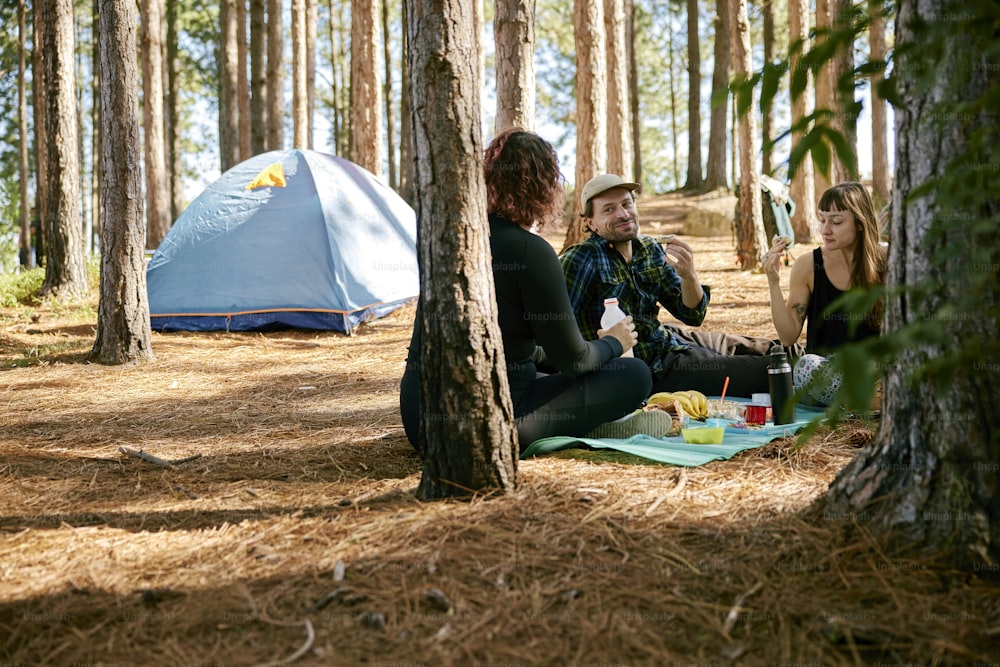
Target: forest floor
(296,536)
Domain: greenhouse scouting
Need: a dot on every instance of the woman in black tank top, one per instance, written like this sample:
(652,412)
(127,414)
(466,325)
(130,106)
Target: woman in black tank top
(851,256)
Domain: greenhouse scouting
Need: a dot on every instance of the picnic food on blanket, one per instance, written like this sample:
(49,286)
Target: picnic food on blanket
(705,435)
(693,402)
(720,409)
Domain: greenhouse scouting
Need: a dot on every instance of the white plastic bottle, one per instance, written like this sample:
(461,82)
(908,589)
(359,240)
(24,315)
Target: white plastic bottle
(612,315)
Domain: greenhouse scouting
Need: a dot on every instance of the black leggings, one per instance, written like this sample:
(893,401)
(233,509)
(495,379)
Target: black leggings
(707,370)
(555,404)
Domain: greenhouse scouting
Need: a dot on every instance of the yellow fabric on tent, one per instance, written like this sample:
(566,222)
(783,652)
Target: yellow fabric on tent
(272,175)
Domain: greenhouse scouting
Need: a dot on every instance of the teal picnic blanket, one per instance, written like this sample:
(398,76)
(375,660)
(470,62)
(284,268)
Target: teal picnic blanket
(674,450)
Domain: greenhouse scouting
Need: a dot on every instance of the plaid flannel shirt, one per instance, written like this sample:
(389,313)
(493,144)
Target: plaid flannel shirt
(595,271)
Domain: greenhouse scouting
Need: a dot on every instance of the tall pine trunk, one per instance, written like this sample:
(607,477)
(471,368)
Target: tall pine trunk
(300,88)
(123,333)
(880,150)
(824,88)
(407,163)
(366,94)
(258,77)
(175,151)
(468,420)
(157,196)
(619,129)
(767,115)
(229,105)
(591,104)
(715,172)
(242,82)
(929,481)
(312,22)
(633,92)
(26,261)
(694,179)
(387,96)
(514,33)
(61,219)
(803,187)
(275,139)
(750,237)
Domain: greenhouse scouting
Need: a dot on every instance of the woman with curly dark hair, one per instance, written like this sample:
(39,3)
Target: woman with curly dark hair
(560,383)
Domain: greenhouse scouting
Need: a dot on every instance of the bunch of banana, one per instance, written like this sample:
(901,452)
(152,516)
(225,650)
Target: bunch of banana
(693,402)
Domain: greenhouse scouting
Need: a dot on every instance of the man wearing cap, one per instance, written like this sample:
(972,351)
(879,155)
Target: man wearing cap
(615,261)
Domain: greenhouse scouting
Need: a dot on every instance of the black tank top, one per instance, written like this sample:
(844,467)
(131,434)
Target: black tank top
(826,332)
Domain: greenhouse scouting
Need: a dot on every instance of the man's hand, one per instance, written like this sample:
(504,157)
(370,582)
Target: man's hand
(680,256)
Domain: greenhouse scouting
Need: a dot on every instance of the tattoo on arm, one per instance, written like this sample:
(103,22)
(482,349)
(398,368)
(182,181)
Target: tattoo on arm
(800,311)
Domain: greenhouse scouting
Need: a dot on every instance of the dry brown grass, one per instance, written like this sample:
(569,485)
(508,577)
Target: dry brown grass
(302,508)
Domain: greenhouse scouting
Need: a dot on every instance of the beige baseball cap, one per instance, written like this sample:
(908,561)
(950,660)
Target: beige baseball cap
(603,183)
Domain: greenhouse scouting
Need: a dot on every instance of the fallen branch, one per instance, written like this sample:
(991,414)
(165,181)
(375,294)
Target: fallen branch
(734,613)
(302,650)
(155,460)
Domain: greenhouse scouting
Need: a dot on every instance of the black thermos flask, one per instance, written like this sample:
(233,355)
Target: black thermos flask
(779,382)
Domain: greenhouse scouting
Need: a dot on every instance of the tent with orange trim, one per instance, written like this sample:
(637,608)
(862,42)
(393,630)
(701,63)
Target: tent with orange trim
(291,238)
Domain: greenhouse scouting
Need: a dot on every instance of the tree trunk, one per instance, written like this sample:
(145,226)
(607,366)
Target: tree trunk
(734,140)
(123,334)
(675,147)
(928,482)
(619,129)
(468,425)
(825,98)
(96,139)
(833,96)
(366,100)
(750,226)
(65,266)
(335,110)
(229,106)
(157,200)
(258,77)
(390,108)
(802,189)
(41,104)
(880,149)
(694,179)
(242,84)
(175,151)
(591,104)
(633,92)
(715,176)
(27,261)
(846,116)
(275,78)
(514,34)
(407,165)
(767,115)
(312,20)
(300,88)
(344,68)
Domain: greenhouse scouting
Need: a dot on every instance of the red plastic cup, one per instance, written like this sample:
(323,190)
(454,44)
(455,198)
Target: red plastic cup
(756,415)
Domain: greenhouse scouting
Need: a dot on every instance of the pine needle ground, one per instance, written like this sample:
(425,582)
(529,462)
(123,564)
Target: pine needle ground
(295,537)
